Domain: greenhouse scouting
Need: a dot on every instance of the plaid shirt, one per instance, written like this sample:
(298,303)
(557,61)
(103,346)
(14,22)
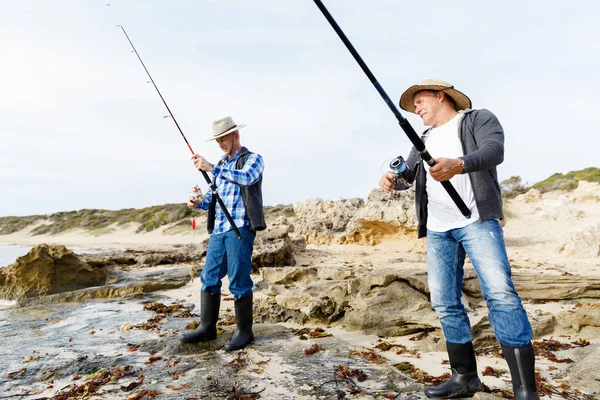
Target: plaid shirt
(228,181)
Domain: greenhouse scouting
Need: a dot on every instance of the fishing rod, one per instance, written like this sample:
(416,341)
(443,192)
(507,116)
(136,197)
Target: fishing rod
(404,124)
(211,184)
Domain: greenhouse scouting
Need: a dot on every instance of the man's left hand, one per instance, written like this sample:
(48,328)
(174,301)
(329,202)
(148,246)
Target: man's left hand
(445,168)
(201,164)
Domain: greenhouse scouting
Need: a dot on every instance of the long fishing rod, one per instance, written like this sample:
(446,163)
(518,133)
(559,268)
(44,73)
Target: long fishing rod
(212,186)
(404,124)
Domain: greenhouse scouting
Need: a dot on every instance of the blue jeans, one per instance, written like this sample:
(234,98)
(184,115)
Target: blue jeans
(484,243)
(229,255)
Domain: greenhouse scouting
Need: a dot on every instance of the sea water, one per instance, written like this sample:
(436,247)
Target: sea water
(10,252)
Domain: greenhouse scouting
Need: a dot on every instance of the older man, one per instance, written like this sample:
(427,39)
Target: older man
(238,177)
(470,144)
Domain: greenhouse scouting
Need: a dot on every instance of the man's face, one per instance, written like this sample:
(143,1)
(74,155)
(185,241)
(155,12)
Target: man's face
(226,143)
(427,104)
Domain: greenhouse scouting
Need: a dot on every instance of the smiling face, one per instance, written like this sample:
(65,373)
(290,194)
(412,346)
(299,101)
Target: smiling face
(428,104)
(230,143)
(434,107)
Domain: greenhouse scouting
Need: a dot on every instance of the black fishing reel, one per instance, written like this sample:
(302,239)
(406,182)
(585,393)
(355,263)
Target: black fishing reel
(404,174)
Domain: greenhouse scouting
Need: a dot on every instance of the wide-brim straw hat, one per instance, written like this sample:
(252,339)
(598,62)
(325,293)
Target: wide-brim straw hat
(461,100)
(222,127)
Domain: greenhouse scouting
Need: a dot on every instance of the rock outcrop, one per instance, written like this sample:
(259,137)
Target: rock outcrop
(322,220)
(190,253)
(542,286)
(48,270)
(390,301)
(586,192)
(585,243)
(561,206)
(384,215)
(120,286)
(347,221)
(273,247)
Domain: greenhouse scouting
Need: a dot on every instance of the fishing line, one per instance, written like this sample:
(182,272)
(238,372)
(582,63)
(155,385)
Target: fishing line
(206,177)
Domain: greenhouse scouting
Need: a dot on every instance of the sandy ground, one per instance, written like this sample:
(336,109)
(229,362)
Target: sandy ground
(533,239)
(113,238)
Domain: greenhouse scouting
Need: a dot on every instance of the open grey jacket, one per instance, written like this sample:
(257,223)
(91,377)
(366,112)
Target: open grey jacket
(482,139)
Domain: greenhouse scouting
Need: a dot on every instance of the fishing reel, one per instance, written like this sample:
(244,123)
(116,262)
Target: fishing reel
(197,192)
(404,174)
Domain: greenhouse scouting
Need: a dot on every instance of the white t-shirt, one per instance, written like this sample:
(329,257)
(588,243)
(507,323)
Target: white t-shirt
(443,214)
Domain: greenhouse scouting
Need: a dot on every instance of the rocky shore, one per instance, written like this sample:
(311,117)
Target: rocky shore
(341,309)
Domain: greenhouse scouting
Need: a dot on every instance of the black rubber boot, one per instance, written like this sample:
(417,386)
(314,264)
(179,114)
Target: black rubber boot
(243,336)
(464,381)
(209,314)
(521,361)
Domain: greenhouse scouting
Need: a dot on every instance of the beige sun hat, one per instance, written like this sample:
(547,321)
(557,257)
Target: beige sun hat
(460,99)
(222,127)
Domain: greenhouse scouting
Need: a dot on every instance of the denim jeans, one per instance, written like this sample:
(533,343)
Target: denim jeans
(229,255)
(484,243)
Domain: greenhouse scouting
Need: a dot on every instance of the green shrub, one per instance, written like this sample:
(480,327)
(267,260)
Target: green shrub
(512,187)
(91,220)
(10,225)
(568,181)
(95,221)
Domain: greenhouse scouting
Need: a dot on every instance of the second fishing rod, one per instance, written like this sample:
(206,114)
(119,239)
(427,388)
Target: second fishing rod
(404,124)
(211,184)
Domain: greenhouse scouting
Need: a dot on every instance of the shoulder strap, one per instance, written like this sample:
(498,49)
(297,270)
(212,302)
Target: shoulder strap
(425,133)
(241,161)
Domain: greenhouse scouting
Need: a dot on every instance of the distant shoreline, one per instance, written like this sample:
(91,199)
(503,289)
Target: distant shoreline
(115,238)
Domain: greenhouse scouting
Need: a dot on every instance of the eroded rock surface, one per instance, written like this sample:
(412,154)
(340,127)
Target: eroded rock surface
(386,302)
(394,301)
(47,270)
(273,247)
(351,221)
(321,220)
(585,243)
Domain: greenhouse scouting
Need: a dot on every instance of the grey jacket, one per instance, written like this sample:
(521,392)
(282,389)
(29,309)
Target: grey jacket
(482,139)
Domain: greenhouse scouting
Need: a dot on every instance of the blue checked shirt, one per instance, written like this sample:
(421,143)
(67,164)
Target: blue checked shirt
(228,181)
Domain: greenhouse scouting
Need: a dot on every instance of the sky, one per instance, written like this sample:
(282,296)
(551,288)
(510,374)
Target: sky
(81,128)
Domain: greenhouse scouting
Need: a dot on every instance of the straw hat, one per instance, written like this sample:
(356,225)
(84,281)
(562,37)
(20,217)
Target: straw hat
(222,127)
(407,98)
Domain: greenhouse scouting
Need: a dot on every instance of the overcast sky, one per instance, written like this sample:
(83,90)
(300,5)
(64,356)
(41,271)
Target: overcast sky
(81,128)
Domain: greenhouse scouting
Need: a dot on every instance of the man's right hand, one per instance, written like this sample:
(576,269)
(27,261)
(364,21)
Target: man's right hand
(386,182)
(193,201)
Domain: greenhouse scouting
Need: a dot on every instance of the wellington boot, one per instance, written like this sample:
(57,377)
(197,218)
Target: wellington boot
(521,362)
(464,381)
(209,314)
(243,336)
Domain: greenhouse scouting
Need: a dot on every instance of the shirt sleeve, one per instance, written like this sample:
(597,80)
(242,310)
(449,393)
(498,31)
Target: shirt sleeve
(247,176)
(203,205)
(489,136)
